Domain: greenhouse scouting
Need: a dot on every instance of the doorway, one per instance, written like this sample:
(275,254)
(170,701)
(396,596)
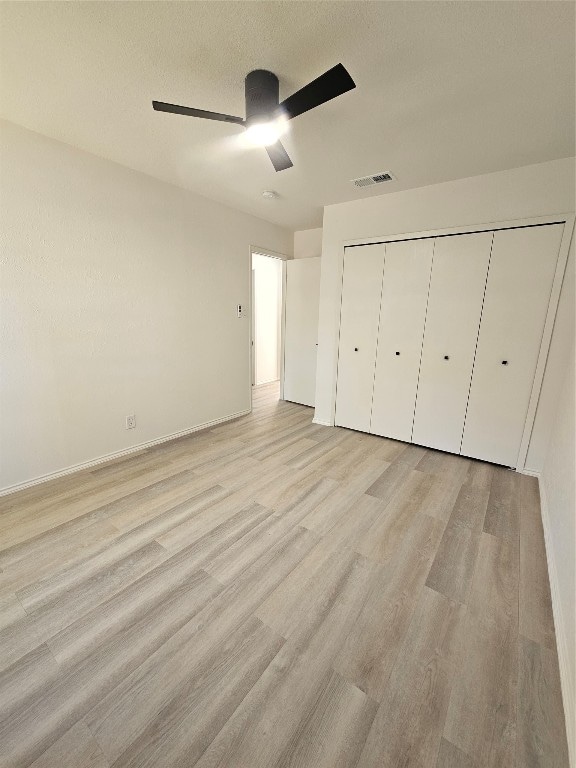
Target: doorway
(267,303)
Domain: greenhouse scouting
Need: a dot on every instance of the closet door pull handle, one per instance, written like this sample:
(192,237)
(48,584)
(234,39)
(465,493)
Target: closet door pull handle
(504,362)
(446,357)
(397,353)
(355,349)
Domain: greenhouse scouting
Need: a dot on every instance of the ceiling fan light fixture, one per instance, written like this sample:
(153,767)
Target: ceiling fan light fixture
(266,117)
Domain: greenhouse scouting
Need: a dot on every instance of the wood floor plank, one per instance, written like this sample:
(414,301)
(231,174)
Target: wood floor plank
(306,494)
(389,482)
(412,455)
(482,716)
(271,593)
(107,553)
(352,528)
(45,619)
(11,610)
(51,549)
(29,674)
(332,735)
(266,721)
(201,700)
(140,499)
(408,726)
(299,602)
(327,513)
(19,526)
(388,450)
(85,635)
(194,644)
(441,497)
(386,534)
(503,509)
(541,731)
(453,567)
(371,649)
(90,587)
(355,452)
(536,619)
(273,447)
(228,565)
(27,731)
(444,465)
(75,748)
(281,485)
(450,756)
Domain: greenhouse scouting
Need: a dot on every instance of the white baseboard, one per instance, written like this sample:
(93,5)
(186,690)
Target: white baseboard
(322,423)
(530,473)
(118,454)
(568,692)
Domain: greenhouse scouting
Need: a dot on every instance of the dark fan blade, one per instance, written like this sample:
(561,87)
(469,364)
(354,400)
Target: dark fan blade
(279,157)
(333,83)
(160,106)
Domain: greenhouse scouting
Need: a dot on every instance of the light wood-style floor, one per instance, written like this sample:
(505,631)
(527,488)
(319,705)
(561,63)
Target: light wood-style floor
(276,593)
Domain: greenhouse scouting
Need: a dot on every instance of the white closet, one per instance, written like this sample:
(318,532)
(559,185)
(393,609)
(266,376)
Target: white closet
(459,270)
(402,314)
(517,296)
(363,268)
(440,337)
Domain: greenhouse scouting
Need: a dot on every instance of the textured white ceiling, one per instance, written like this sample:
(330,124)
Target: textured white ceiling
(444,90)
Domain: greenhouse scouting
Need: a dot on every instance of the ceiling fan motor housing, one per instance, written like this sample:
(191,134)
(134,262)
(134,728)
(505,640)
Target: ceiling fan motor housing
(262,92)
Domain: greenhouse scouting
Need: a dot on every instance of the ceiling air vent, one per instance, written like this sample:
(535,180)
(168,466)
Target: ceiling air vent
(377,178)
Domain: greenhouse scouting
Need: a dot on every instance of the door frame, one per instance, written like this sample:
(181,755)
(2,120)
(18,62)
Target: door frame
(567,219)
(251,349)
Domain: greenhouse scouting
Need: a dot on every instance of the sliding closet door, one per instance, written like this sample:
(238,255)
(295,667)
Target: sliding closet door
(518,292)
(402,313)
(362,284)
(459,269)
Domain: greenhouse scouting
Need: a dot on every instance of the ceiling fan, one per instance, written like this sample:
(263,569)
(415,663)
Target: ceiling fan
(265,116)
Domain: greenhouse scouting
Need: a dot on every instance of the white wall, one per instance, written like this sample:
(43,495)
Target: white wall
(559,511)
(535,190)
(307,243)
(267,317)
(561,347)
(119,296)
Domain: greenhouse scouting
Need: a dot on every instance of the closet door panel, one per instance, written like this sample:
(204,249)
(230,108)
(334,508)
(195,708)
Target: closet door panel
(402,313)
(518,292)
(361,288)
(457,284)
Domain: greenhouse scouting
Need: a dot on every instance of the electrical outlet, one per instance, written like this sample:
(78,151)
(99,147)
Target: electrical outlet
(130,421)
(239,310)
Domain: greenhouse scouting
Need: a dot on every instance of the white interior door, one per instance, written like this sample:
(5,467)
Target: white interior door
(402,313)
(518,292)
(362,283)
(457,284)
(301,329)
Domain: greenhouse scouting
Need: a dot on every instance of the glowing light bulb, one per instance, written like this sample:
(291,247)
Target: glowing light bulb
(264,134)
